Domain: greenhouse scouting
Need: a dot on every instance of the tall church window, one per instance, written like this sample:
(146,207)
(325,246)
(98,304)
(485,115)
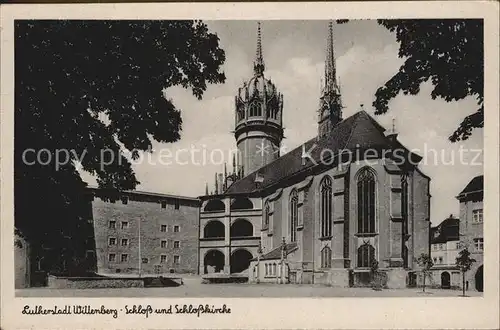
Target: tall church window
(326,207)
(404,203)
(404,215)
(366,201)
(266,215)
(255,109)
(294,210)
(366,255)
(326,257)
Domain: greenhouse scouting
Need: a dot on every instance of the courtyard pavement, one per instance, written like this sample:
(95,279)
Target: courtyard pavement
(193,288)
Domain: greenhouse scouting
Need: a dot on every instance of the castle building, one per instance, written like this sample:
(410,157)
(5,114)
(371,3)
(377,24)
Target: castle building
(144,233)
(326,212)
(471,229)
(445,247)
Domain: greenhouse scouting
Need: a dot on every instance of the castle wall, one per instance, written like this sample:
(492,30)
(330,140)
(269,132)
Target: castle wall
(152,217)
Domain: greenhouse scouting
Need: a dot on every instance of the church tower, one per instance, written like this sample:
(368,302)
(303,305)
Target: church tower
(258,118)
(330,109)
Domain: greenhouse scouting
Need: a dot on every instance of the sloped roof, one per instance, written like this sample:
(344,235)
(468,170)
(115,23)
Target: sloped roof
(357,132)
(448,230)
(475,185)
(276,252)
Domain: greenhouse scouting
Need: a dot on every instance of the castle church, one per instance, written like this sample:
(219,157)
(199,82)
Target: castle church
(350,199)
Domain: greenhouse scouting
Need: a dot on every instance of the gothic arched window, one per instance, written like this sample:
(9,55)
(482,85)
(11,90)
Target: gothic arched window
(255,109)
(366,255)
(404,203)
(266,214)
(326,257)
(294,212)
(326,207)
(366,201)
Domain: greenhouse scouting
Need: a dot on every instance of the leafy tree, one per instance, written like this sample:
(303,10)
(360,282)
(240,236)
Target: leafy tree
(464,262)
(447,52)
(426,263)
(96,89)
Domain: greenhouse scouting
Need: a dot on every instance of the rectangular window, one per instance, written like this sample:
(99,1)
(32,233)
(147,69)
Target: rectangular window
(177,229)
(112,225)
(477,216)
(124,200)
(176,204)
(177,260)
(145,260)
(163,204)
(163,259)
(163,244)
(112,241)
(124,241)
(479,244)
(177,244)
(163,228)
(112,257)
(124,257)
(124,224)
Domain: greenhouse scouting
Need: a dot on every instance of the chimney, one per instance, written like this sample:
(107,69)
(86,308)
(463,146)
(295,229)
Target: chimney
(392,135)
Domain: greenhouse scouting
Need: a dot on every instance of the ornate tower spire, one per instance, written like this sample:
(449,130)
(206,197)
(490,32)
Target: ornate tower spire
(330,111)
(259,118)
(330,69)
(258,64)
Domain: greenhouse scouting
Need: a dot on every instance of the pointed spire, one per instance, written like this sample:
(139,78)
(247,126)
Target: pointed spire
(258,65)
(330,69)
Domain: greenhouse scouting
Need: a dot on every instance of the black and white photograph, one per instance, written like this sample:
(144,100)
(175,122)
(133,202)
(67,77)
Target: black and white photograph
(174,158)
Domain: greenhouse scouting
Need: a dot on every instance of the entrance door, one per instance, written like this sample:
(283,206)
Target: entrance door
(445,280)
(479,279)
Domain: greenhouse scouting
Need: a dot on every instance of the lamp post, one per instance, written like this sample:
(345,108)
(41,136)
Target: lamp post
(259,253)
(139,240)
(282,263)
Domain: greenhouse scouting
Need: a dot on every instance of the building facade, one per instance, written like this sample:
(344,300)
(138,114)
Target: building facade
(445,247)
(22,266)
(145,233)
(471,229)
(325,212)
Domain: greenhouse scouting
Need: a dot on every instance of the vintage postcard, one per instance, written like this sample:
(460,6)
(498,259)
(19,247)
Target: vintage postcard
(237,165)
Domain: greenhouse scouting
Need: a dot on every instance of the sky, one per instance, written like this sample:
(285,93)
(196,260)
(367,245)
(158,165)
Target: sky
(294,52)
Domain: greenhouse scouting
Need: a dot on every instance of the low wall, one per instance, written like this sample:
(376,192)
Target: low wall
(93,282)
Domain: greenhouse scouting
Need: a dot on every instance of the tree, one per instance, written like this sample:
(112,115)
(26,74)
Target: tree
(92,93)
(449,53)
(464,262)
(426,263)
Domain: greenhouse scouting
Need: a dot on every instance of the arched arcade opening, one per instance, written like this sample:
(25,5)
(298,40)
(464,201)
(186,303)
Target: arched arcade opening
(214,229)
(241,228)
(445,280)
(213,262)
(240,260)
